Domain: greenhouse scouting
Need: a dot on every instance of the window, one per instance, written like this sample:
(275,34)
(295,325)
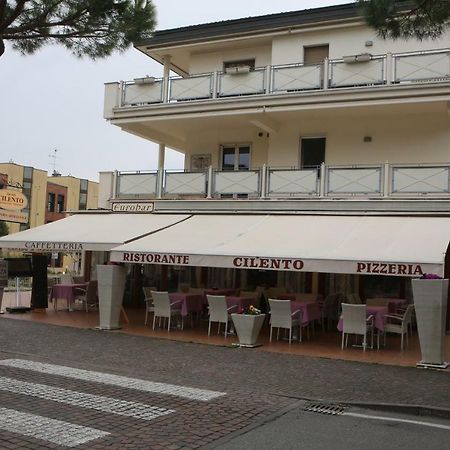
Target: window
(60,207)
(83,201)
(312,152)
(235,157)
(315,54)
(82,204)
(51,202)
(83,185)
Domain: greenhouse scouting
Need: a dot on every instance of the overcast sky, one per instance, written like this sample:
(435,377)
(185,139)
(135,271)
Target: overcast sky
(52,100)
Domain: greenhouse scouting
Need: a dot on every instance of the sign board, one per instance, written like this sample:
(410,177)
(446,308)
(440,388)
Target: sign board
(11,204)
(3,273)
(133,207)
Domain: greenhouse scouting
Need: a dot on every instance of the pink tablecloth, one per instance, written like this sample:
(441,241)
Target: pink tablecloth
(310,310)
(189,302)
(379,313)
(66,291)
(239,302)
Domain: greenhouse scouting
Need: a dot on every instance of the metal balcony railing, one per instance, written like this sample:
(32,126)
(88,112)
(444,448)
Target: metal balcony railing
(354,71)
(365,181)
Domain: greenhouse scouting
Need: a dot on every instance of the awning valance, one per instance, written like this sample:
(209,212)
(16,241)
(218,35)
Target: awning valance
(386,245)
(89,231)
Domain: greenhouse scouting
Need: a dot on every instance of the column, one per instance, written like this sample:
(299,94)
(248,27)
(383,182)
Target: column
(166,62)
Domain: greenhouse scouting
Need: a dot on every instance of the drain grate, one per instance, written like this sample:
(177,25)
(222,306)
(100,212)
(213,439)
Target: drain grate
(335,410)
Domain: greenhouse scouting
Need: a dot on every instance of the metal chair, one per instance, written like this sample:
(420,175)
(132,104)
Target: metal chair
(219,312)
(89,295)
(355,321)
(164,308)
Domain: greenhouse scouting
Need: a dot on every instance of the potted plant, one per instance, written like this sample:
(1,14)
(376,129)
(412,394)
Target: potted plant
(248,324)
(430,300)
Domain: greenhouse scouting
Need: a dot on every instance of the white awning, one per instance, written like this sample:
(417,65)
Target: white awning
(89,231)
(387,245)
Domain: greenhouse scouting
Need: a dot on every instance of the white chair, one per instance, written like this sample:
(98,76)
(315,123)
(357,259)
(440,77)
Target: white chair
(399,324)
(219,312)
(89,295)
(355,321)
(164,308)
(281,316)
(148,299)
(65,278)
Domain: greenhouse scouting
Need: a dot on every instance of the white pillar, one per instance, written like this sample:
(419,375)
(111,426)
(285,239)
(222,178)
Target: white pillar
(166,61)
(161,156)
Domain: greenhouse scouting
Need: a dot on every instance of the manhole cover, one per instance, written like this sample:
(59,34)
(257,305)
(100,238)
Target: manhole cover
(321,408)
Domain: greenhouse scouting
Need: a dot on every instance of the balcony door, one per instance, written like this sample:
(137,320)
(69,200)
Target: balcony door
(312,152)
(235,157)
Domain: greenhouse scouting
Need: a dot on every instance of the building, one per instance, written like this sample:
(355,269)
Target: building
(49,198)
(316,159)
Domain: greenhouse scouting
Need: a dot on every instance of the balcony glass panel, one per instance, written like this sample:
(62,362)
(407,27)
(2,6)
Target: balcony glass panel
(293,182)
(296,78)
(422,67)
(242,182)
(137,184)
(421,180)
(242,83)
(185,183)
(351,181)
(368,73)
(142,94)
(192,88)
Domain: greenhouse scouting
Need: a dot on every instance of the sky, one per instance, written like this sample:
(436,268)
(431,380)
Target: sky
(51,103)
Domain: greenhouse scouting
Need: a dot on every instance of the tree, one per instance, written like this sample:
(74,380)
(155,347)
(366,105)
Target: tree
(3,228)
(419,19)
(93,28)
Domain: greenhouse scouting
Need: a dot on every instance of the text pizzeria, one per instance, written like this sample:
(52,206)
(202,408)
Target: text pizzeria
(389,268)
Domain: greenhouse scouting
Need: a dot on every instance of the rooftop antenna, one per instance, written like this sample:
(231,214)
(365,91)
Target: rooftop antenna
(55,173)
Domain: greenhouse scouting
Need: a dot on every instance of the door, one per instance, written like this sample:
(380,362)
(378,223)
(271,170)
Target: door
(312,152)
(316,54)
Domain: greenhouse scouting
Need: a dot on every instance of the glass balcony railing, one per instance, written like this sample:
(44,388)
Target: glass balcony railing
(365,181)
(354,71)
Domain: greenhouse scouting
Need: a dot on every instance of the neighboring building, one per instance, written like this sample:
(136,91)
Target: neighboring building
(49,198)
(308,109)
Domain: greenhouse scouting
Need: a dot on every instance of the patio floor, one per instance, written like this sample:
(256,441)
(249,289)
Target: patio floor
(325,344)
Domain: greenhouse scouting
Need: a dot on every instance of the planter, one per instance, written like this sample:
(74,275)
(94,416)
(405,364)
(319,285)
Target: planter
(430,301)
(111,286)
(247,328)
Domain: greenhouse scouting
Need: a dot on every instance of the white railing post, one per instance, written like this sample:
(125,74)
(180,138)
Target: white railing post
(115,183)
(121,94)
(159,183)
(322,180)
(264,181)
(389,68)
(326,73)
(215,84)
(386,180)
(210,182)
(267,80)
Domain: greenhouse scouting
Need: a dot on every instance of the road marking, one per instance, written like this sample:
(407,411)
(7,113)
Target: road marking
(203,395)
(83,400)
(394,419)
(50,430)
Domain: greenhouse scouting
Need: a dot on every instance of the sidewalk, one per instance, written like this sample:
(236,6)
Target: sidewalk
(246,371)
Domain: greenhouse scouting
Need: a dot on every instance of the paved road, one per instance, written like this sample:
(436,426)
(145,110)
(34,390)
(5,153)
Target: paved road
(63,387)
(355,430)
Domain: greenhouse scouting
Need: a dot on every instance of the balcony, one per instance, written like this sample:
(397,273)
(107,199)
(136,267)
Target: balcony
(349,72)
(383,181)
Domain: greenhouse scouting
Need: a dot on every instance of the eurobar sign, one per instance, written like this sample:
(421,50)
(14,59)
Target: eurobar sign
(11,204)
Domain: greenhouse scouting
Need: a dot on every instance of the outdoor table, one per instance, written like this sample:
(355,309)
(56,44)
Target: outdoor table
(66,291)
(240,302)
(391,302)
(224,291)
(189,302)
(379,314)
(310,310)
